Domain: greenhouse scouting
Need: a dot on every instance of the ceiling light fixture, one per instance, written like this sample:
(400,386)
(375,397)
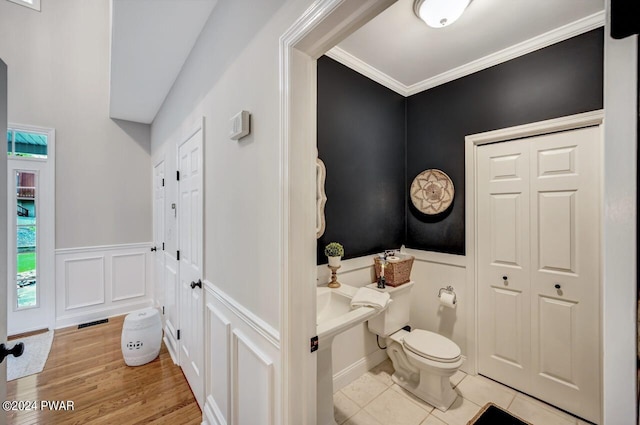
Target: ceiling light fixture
(439,13)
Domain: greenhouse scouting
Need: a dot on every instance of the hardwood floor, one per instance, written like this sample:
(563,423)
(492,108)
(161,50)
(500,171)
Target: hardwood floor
(86,366)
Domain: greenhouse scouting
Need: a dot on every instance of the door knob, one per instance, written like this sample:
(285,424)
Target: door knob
(16,351)
(198,284)
(504,277)
(154,249)
(557,286)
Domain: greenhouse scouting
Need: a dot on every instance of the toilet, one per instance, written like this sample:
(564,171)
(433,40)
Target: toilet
(423,361)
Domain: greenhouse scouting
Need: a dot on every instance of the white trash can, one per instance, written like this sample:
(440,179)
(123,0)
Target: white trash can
(141,336)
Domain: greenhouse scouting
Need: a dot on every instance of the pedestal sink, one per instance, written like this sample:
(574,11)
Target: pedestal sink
(334,316)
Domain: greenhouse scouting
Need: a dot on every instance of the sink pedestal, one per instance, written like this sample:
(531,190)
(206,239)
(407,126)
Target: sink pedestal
(334,316)
(325,386)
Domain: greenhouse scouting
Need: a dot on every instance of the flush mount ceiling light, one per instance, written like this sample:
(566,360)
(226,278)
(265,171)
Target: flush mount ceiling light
(439,13)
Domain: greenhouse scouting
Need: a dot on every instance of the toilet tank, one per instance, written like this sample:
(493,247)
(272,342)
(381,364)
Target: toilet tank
(396,316)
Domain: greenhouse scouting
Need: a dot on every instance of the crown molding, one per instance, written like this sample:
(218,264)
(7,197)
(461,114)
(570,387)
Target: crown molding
(358,65)
(562,33)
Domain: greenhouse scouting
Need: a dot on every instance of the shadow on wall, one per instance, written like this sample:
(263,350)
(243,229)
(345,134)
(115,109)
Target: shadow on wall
(141,133)
(447,320)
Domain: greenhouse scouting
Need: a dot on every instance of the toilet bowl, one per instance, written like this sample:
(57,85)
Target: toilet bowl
(423,360)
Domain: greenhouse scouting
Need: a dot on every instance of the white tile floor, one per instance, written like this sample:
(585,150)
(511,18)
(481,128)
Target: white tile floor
(373,399)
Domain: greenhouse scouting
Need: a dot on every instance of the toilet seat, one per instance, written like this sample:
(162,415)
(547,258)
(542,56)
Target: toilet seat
(432,346)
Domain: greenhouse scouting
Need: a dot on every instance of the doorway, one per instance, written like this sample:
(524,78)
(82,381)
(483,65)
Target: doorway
(31,228)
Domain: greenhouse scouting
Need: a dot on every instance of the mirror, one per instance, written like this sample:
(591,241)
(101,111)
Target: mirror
(321,197)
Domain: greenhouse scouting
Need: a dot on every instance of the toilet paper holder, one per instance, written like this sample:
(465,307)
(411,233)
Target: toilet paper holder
(448,289)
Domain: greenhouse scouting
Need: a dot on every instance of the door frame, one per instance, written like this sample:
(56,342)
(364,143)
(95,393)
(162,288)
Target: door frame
(155,162)
(45,241)
(323,25)
(472,142)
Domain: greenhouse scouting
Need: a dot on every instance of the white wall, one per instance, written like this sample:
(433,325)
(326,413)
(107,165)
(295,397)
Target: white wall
(356,351)
(58,62)
(620,229)
(235,65)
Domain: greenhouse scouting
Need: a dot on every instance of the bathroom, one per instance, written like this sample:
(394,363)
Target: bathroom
(374,141)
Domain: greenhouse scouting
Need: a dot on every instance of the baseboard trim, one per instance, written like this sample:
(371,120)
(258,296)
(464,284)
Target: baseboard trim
(97,314)
(357,369)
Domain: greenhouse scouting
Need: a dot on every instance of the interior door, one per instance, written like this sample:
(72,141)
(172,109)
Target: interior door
(504,263)
(158,232)
(565,308)
(191,273)
(538,267)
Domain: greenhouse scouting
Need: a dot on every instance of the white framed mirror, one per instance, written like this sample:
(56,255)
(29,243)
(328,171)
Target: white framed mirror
(321,197)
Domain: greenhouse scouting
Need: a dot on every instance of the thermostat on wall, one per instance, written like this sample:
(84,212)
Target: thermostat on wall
(240,125)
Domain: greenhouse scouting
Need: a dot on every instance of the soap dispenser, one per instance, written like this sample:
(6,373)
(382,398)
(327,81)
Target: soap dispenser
(383,263)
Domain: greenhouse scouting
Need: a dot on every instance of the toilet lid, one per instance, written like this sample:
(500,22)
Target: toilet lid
(432,346)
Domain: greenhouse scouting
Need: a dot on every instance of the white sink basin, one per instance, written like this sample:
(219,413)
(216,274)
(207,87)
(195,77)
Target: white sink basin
(334,313)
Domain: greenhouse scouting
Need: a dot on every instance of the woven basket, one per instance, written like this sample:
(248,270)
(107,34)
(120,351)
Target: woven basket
(395,273)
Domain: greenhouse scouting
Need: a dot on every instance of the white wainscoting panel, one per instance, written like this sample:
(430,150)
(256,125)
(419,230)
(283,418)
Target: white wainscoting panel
(218,370)
(83,282)
(253,383)
(243,364)
(129,274)
(94,283)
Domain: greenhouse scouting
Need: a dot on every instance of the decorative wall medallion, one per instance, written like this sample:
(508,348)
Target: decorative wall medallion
(432,191)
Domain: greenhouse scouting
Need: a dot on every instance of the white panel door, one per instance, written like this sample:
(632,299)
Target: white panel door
(504,263)
(191,308)
(158,233)
(538,267)
(565,276)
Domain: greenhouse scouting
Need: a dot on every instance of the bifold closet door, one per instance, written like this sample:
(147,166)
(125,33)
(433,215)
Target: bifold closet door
(504,315)
(538,226)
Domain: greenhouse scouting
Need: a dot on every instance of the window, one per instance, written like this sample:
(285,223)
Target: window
(21,143)
(31,4)
(26,240)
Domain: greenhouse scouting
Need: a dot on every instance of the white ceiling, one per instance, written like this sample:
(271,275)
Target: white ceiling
(150,41)
(399,47)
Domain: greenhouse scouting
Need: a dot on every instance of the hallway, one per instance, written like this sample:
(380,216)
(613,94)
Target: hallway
(86,366)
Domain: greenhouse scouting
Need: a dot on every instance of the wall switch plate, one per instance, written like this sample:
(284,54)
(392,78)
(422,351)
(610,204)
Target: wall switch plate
(240,125)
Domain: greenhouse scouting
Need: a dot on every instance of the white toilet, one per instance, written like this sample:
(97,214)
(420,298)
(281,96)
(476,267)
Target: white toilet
(423,360)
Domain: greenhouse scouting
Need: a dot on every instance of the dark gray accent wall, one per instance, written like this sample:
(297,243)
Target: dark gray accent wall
(361,139)
(562,79)
(374,142)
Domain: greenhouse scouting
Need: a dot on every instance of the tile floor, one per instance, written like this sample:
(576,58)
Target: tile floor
(373,399)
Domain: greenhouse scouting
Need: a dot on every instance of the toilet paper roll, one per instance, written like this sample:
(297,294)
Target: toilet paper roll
(447,299)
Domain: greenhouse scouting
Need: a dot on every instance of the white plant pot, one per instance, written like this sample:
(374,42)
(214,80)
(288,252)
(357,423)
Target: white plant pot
(334,261)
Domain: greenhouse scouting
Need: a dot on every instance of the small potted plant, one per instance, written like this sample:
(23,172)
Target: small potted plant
(334,252)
